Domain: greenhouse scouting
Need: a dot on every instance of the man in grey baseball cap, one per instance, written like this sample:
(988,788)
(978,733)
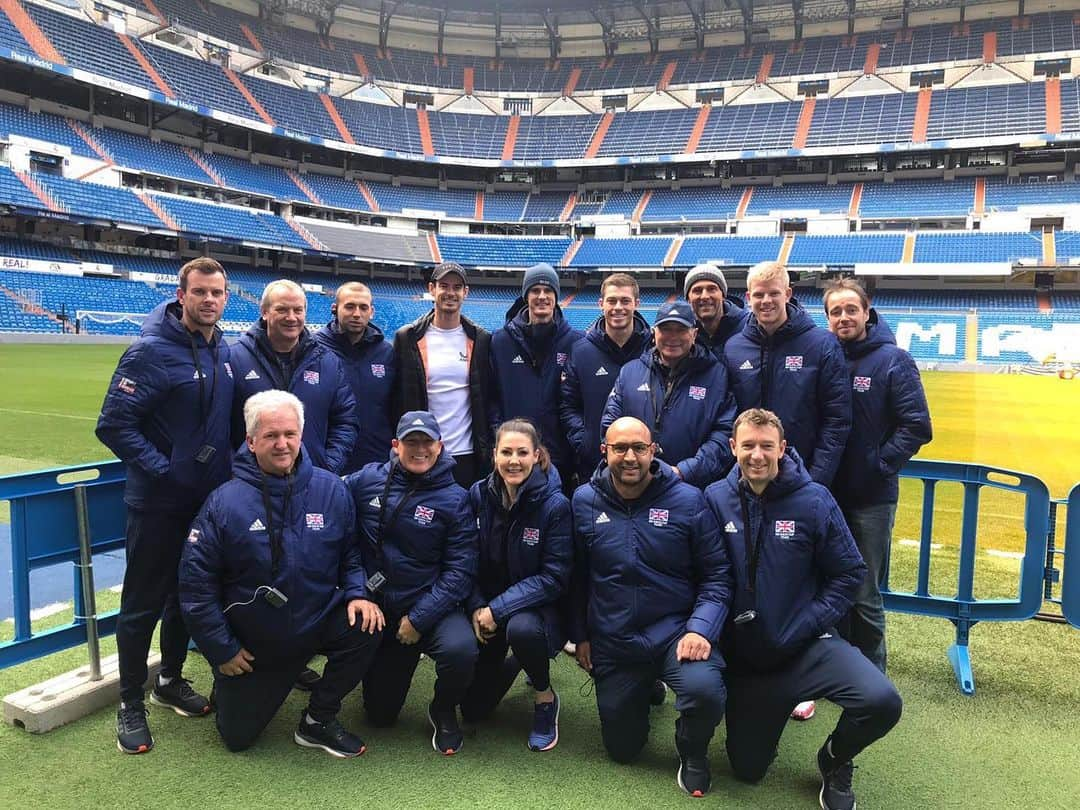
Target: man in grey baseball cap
(718,317)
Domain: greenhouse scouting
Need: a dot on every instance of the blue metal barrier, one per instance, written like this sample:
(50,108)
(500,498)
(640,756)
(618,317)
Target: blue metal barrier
(45,531)
(963,609)
(1070,578)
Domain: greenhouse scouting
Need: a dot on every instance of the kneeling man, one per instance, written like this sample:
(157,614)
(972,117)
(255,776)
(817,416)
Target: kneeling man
(652,586)
(270,575)
(796,572)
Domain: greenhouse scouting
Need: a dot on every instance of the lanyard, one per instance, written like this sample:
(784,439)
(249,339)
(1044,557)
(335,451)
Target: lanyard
(400,504)
(208,408)
(753,550)
(277,547)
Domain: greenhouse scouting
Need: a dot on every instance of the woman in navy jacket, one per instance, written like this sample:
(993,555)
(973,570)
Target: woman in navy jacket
(525,556)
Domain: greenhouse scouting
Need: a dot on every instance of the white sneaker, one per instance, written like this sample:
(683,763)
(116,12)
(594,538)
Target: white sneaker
(804,711)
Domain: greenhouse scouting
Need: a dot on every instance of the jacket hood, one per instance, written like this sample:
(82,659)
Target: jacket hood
(792,476)
(878,334)
(639,339)
(164,322)
(537,488)
(798,322)
(439,476)
(517,321)
(663,480)
(246,468)
(372,334)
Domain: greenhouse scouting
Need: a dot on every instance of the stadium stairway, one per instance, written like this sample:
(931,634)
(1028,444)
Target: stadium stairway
(159,212)
(90,141)
(305,234)
(30,308)
(251,100)
(30,31)
(32,185)
(373,204)
(210,171)
(144,63)
(335,116)
(304,187)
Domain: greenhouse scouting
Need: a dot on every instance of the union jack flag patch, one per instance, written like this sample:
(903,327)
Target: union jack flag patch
(126,385)
(698,391)
(311,377)
(560,358)
(658,517)
(793,362)
(378,370)
(862,384)
(785,529)
(423,515)
(314,521)
(530,536)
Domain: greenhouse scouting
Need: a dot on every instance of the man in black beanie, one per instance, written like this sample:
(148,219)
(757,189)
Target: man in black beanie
(528,355)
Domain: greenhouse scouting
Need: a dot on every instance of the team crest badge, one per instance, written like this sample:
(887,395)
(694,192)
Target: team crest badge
(861,384)
(530,537)
(378,370)
(793,362)
(698,392)
(126,385)
(314,521)
(311,377)
(423,515)
(785,529)
(658,517)
(560,358)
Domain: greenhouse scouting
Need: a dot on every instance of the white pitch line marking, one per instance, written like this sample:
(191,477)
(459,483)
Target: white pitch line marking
(1009,555)
(50,413)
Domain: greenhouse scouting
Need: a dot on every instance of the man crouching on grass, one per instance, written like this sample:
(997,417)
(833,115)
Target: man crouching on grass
(796,571)
(270,576)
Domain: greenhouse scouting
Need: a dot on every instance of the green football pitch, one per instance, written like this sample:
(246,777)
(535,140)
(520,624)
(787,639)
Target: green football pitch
(1013,744)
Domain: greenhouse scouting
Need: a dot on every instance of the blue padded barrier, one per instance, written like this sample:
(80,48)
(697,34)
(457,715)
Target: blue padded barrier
(963,609)
(44,532)
(1070,578)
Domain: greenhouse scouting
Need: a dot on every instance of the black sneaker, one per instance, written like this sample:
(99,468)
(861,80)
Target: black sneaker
(658,693)
(836,776)
(694,776)
(180,697)
(132,729)
(331,737)
(307,680)
(447,737)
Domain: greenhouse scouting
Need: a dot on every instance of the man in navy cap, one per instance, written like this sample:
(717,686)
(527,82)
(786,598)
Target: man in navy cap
(528,355)
(680,390)
(419,542)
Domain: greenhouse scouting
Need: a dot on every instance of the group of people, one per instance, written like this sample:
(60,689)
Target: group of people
(704,505)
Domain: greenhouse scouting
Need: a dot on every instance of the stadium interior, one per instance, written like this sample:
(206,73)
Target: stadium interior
(925,147)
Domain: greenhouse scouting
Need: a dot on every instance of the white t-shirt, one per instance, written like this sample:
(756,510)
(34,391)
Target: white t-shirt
(448,386)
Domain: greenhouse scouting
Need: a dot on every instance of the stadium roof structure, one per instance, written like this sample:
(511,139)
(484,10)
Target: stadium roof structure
(554,23)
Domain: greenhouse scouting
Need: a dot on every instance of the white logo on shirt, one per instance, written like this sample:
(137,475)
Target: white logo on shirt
(601,372)
(257,526)
(603,518)
(375,502)
(643,387)
(730,528)
(747,365)
(517,359)
(252,375)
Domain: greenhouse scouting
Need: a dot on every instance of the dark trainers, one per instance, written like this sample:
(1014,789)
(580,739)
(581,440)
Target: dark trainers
(132,729)
(658,693)
(545,731)
(836,776)
(447,737)
(694,776)
(180,697)
(331,737)
(307,680)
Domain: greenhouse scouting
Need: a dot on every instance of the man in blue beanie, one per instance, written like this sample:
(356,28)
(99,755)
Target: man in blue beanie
(528,355)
